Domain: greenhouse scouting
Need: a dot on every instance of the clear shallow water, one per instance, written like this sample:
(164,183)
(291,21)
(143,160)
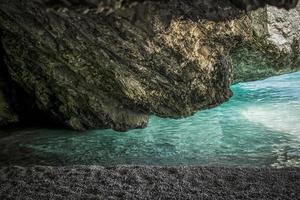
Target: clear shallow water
(258,127)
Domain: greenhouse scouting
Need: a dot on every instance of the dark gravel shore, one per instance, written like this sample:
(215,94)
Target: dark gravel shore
(129,182)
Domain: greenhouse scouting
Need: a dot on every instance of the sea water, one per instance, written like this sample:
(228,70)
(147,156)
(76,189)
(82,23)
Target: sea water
(258,127)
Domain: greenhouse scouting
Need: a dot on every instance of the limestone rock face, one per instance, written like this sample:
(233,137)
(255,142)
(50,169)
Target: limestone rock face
(93,69)
(274,48)
(113,65)
(284,28)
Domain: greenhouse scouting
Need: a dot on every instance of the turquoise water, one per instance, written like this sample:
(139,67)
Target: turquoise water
(258,127)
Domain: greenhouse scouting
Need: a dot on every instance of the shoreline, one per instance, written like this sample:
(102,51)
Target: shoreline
(148,182)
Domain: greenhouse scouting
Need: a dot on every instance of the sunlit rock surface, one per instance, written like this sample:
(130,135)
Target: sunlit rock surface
(284,28)
(111,70)
(274,47)
(113,65)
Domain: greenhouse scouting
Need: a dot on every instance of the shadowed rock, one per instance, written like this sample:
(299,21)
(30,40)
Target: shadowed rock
(242,4)
(255,4)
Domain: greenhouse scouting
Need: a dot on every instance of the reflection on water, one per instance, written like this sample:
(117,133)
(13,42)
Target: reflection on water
(258,127)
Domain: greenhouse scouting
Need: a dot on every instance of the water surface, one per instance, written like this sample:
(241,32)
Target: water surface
(258,127)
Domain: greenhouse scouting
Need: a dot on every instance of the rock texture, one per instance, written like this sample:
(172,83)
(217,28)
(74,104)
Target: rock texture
(111,70)
(113,65)
(283,28)
(274,48)
(132,182)
(7,116)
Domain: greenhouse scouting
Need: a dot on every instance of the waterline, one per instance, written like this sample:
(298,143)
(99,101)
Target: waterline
(258,127)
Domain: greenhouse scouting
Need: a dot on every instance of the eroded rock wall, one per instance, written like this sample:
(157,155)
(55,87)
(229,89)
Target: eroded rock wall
(283,28)
(274,47)
(93,69)
(112,67)
(249,5)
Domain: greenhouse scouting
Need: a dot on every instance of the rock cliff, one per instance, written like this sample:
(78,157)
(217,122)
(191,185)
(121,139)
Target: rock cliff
(273,48)
(113,65)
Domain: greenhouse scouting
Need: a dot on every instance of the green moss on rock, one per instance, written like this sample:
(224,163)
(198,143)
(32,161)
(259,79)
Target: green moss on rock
(250,64)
